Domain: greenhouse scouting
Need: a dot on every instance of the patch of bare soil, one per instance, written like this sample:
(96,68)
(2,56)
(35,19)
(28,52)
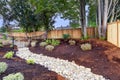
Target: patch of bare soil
(103,59)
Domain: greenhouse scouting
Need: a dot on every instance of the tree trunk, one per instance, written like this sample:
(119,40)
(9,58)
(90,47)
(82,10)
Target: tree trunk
(99,19)
(83,19)
(104,27)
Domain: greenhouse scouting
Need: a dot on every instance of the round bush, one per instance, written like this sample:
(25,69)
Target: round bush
(3,67)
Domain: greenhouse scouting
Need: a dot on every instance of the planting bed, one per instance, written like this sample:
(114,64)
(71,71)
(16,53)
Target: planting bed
(102,59)
(31,72)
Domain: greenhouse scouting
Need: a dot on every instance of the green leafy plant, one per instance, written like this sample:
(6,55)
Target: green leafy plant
(55,42)
(49,47)
(1,45)
(84,37)
(72,42)
(3,67)
(48,41)
(43,44)
(86,46)
(4,37)
(13,76)
(102,38)
(30,61)
(8,55)
(66,36)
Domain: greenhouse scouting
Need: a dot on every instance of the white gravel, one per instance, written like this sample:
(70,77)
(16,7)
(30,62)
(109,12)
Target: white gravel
(69,70)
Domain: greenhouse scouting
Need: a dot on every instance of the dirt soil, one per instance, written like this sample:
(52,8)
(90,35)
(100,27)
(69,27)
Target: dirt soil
(102,59)
(31,72)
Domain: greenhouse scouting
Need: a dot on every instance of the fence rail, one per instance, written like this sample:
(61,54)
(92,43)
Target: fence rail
(58,34)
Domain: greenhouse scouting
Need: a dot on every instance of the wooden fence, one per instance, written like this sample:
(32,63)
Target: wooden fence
(58,34)
(74,33)
(113,33)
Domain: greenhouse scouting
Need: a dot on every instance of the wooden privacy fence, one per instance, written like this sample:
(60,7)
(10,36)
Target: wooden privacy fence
(113,33)
(58,34)
(74,33)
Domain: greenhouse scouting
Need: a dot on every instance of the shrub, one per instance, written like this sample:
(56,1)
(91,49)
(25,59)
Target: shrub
(49,47)
(43,44)
(8,55)
(84,37)
(33,44)
(5,42)
(48,41)
(30,61)
(53,42)
(66,36)
(17,76)
(86,46)
(3,67)
(72,42)
(1,45)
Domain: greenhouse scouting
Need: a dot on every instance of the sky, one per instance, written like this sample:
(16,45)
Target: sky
(59,22)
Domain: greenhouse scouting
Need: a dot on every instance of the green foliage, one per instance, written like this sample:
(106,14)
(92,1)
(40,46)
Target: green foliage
(86,46)
(1,45)
(84,37)
(66,36)
(11,46)
(72,42)
(102,38)
(30,61)
(48,41)
(53,42)
(3,67)
(8,55)
(43,44)
(49,47)
(17,76)
(4,37)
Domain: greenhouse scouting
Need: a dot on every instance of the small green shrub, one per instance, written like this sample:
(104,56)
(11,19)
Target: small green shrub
(43,44)
(5,42)
(33,44)
(30,61)
(49,47)
(11,46)
(66,36)
(4,37)
(1,45)
(48,41)
(8,55)
(53,42)
(102,38)
(3,67)
(86,46)
(84,37)
(72,42)
(17,76)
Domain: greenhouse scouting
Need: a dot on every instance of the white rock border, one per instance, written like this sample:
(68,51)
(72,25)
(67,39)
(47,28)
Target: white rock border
(69,70)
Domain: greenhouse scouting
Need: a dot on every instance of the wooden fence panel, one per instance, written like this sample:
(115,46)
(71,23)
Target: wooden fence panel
(112,33)
(58,34)
(118,34)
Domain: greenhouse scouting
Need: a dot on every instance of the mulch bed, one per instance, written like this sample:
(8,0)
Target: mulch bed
(31,72)
(101,59)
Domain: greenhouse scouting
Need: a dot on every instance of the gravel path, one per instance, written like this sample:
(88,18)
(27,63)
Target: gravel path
(67,69)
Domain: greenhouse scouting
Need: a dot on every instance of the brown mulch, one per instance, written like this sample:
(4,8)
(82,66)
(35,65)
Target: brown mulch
(101,59)
(31,72)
